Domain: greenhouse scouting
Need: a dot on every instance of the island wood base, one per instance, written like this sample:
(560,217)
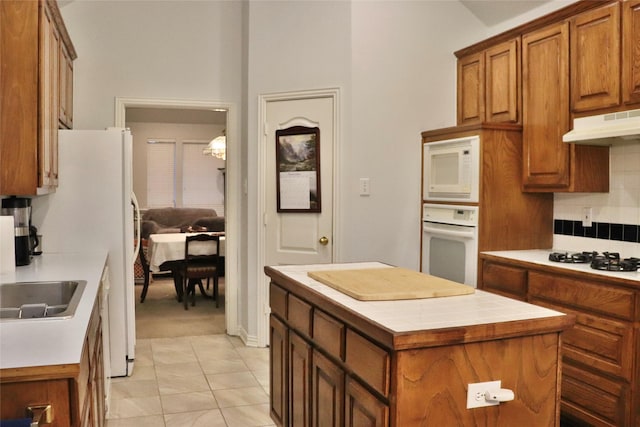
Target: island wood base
(330,365)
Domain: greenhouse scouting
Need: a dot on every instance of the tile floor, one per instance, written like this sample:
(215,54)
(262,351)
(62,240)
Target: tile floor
(198,381)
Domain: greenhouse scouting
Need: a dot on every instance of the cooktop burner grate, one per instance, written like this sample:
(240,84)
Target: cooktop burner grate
(576,258)
(609,261)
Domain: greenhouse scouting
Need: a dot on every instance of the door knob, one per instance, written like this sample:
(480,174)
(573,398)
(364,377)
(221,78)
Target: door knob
(323,241)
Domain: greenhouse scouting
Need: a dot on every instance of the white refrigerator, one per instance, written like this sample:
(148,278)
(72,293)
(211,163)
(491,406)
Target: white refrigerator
(93,207)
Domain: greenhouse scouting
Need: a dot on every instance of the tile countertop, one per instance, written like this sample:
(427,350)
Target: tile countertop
(30,343)
(541,257)
(421,314)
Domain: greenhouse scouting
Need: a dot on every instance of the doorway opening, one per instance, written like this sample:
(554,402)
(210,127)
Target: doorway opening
(206,120)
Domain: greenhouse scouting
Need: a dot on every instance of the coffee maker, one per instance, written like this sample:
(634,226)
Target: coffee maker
(20,209)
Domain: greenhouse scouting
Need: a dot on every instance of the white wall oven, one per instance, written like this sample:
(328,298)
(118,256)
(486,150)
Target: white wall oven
(450,242)
(451,170)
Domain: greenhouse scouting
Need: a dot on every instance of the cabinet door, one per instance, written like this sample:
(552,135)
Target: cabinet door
(299,381)
(471,89)
(545,76)
(65,115)
(502,82)
(328,392)
(595,58)
(19,97)
(363,409)
(278,372)
(630,51)
(49,100)
(590,399)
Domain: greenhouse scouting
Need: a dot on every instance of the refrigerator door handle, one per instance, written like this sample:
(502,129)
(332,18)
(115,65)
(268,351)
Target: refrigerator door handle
(136,207)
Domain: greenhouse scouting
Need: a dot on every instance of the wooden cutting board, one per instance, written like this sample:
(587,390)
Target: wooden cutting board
(395,283)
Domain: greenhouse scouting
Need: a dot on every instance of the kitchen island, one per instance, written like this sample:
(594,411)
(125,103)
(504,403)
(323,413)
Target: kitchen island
(336,360)
(56,361)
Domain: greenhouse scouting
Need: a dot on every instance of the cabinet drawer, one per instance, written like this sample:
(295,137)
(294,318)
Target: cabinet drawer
(594,399)
(603,344)
(278,301)
(299,315)
(504,280)
(328,333)
(368,361)
(580,294)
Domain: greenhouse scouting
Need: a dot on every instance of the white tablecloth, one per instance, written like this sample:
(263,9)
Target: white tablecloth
(170,247)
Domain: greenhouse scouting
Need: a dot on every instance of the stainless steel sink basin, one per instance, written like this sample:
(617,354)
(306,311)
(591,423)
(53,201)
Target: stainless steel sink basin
(38,300)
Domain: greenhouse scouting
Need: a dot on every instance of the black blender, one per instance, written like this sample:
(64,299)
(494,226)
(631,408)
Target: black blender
(20,209)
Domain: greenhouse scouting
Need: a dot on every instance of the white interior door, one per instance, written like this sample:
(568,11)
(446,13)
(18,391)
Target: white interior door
(300,237)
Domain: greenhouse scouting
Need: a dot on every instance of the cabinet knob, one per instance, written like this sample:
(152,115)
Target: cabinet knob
(323,241)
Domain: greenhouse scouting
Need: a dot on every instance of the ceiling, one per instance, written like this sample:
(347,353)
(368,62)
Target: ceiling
(492,12)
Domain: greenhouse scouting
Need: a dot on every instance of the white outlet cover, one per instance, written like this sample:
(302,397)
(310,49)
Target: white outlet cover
(475,394)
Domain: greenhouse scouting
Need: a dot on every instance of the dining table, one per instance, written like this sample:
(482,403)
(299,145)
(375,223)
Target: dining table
(166,253)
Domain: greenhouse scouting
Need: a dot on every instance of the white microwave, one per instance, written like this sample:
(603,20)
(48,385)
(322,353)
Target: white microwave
(451,170)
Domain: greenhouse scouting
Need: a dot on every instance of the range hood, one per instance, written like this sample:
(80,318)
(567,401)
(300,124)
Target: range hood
(606,129)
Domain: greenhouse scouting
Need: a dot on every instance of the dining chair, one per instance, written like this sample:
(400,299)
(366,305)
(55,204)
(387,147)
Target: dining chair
(144,262)
(197,267)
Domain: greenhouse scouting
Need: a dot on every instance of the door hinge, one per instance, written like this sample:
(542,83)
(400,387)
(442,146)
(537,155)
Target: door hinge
(265,128)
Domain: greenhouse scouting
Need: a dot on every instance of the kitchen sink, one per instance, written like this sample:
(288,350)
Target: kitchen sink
(40,300)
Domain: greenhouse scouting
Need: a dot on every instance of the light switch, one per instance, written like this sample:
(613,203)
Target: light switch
(365,189)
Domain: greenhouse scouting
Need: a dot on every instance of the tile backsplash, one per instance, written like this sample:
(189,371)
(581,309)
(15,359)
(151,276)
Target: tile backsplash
(615,215)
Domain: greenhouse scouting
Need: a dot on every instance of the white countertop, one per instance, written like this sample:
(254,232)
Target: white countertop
(421,314)
(541,257)
(43,342)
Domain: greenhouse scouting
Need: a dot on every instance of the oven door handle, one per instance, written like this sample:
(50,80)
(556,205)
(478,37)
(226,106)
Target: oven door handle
(468,234)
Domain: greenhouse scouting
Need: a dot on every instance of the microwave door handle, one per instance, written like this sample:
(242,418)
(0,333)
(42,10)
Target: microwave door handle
(450,233)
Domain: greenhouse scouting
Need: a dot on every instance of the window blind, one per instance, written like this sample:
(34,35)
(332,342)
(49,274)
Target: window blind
(161,173)
(199,177)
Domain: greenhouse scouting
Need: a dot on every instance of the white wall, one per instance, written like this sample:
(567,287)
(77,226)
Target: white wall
(152,49)
(403,74)
(291,46)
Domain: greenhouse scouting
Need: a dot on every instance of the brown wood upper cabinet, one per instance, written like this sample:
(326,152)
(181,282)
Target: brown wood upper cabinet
(550,165)
(35,94)
(595,58)
(605,60)
(489,85)
(545,94)
(630,51)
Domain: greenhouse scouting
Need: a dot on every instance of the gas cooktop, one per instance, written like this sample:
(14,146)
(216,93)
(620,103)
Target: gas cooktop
(609,261)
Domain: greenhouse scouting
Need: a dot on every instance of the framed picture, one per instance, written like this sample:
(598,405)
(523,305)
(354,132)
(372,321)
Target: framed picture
(298,169)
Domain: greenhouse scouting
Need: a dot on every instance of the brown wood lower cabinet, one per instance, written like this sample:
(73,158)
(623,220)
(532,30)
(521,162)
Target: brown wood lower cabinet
(75,392)
(601,353)
(333,367)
